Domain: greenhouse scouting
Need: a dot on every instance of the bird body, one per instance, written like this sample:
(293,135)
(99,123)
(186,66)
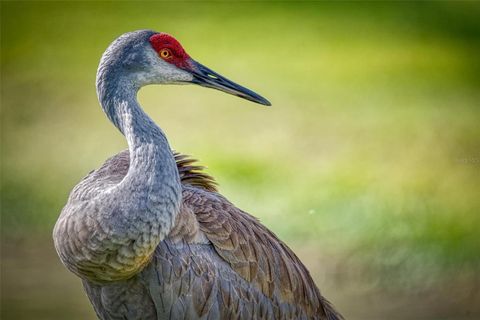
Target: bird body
(148,233)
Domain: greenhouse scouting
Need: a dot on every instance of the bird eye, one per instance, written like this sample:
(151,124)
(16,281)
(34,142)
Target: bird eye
(165,54)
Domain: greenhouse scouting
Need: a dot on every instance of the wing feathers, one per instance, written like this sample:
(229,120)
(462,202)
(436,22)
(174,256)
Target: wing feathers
(256,254)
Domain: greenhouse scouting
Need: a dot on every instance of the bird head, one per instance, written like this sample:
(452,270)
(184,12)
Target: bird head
(148,57)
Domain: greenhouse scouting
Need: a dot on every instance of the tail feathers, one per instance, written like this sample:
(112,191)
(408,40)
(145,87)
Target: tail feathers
(330,312)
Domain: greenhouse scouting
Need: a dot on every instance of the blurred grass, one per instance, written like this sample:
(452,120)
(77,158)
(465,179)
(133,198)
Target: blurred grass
(367,163)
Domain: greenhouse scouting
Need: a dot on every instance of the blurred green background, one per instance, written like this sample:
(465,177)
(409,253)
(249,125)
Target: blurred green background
(367,165)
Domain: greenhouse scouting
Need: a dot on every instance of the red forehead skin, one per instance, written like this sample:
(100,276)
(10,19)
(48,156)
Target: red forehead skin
(161,41)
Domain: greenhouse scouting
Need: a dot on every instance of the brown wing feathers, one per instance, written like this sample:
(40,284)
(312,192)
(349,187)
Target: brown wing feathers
(252,250)
(255,253)
(192,174)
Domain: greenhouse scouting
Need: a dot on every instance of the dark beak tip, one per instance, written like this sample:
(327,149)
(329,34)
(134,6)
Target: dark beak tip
(258,99)
(207,78)
(267,103)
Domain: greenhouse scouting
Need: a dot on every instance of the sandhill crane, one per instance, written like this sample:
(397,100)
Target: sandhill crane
(148,233)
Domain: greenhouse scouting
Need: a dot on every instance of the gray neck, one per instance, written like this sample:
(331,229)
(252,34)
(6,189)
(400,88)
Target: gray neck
(152,165)
(113,234)
(141,209)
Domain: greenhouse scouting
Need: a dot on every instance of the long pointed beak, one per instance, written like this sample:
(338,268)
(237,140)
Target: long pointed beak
(205,77)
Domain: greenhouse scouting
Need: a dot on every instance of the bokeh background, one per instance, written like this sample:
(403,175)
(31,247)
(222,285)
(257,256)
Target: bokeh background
(367,165)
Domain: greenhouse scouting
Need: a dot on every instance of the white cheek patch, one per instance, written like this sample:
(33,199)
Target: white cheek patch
(162,72)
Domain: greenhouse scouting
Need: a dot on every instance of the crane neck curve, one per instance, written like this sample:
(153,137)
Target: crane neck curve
(112,234)
(141,209)
(152,165)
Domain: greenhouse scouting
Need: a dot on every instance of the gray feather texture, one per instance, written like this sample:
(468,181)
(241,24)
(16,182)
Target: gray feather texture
(148,233)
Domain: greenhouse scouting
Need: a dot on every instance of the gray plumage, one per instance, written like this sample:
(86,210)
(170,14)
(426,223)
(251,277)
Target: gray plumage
(148,233)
